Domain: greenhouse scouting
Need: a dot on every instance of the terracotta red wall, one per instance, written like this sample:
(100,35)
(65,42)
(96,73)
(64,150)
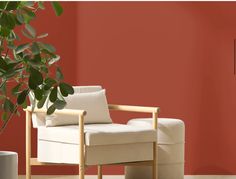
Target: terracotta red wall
(175,55)
(178,56)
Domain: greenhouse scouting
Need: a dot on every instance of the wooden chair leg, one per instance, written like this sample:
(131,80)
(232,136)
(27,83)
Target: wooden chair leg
(155,148)
(81,172)
(81,148)
(28,144)
(99,171)
(154,166)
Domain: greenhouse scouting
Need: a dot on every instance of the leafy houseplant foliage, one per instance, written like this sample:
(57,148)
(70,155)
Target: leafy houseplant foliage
(26,68)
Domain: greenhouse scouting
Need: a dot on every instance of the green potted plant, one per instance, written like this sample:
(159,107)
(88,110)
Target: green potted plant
(25,66)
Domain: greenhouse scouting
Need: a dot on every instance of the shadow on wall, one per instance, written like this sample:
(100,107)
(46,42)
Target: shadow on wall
(213,149)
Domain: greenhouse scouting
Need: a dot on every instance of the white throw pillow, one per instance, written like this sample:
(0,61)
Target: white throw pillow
(94,103)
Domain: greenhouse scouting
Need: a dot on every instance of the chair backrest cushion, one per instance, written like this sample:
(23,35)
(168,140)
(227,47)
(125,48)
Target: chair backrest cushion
(38,119)
(95,104)
(86,89)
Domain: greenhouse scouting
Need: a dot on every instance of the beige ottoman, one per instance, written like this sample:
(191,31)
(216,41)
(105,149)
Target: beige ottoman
(8,165)
(171,140)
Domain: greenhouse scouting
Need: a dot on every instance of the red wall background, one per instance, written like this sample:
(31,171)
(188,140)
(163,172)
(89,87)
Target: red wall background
(176,55)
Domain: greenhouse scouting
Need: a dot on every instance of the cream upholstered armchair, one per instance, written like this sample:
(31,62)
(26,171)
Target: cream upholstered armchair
(83,134)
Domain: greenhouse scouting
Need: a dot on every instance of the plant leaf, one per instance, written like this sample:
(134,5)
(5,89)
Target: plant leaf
(3,64)
(44,69)
(35,49)
(11,21)
(3,4)
(41,102)
(7,20)
(31,30)
(16,89)
(3,87)
(3,21)
(47,47)
(8,106)
(4,116)
(51,109)
(54,60)
(27,3)
(42,36)
(26,34)
(19,16)
(22,48)
(22,97)
(49,82)
(11,46)
(11,37)
(38,93)
(59,75)
(53,94)
(13,64)
(57,8)
(35,79)
(12,5)
(29,13)
(4,31)
(66,89)
(12,72)
(24,105)
(59,104)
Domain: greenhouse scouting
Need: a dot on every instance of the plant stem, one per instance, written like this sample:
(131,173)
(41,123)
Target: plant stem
(7,121)
(1,44)
(4,9)
(6,54)
(3,82)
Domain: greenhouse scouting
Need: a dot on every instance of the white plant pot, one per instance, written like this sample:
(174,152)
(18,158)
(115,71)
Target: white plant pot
(8,165)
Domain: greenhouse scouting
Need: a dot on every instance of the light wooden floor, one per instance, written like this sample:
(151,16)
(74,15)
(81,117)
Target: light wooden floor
(122,177)
(70,177)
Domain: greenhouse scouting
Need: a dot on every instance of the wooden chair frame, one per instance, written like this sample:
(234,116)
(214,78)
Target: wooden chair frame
(82,148)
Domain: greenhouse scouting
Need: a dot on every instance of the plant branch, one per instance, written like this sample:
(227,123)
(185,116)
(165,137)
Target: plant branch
(4,9)
(7,121)
(6,53)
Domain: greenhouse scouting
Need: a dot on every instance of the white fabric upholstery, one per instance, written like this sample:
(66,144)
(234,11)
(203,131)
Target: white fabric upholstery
(60,145)
(39,118)
(98,134)
(58,152)
(171,137)
(86,89)
(170,131)
(170,154)
(166,171)
(94,103)
(106,143)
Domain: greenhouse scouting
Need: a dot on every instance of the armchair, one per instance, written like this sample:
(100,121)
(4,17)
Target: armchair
(92,144)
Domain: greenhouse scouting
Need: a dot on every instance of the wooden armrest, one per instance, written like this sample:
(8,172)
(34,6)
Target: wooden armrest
(63,111)
(143,109)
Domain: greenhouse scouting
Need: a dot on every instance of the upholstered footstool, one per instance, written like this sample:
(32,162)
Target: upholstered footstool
(171,139)
(8,165)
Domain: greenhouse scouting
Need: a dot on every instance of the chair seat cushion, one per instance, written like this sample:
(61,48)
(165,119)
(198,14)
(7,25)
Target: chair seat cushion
(98,134)
(58,152)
